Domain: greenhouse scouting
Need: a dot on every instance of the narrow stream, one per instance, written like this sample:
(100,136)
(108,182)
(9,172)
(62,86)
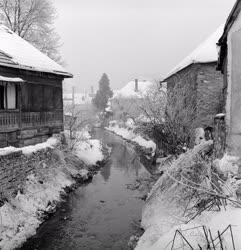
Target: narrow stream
(100,215)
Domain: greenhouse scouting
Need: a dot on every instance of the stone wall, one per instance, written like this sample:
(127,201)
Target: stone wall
(15,167)
(206,84)
(209,94)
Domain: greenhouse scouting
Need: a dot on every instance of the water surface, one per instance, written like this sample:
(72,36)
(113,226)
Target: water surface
(102,214)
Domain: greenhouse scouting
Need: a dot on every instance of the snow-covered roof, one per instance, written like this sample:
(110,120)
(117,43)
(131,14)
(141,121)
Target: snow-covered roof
(205,53)
(17,53)
(129,89)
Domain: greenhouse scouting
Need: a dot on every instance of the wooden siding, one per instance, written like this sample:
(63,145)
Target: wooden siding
(40,109)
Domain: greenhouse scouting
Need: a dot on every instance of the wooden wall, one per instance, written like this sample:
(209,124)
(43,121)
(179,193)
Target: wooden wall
(41,92)
(40,97)
(41,108)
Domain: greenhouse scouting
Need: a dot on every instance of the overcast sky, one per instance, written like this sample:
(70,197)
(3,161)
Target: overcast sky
(132,38)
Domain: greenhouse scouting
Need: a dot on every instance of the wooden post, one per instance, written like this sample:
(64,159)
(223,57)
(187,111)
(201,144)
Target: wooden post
(219,136)
(19,89)
(6,96)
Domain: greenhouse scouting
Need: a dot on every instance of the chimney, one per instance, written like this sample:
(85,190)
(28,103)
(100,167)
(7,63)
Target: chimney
(136,85)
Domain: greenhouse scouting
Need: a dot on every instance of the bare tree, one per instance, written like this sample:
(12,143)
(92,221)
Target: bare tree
(171,116)
(74,121)
(33,21)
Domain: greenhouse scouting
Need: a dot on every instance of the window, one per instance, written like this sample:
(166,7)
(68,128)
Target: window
(8,96)
(2,93)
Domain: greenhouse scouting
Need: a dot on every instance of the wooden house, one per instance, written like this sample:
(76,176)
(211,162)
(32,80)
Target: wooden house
(31,102)
(230,65)
(203,82)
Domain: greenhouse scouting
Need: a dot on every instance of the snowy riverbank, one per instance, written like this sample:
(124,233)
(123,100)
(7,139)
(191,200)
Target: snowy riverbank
(21,215)
(163,212)
(127,133)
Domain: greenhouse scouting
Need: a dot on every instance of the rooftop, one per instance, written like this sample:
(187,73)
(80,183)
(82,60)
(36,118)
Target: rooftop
(205,53)
(15,52)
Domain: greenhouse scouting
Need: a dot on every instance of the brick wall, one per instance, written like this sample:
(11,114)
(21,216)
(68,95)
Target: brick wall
(15,167)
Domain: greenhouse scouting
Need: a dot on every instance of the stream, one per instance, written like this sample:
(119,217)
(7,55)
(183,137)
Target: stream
(101,215)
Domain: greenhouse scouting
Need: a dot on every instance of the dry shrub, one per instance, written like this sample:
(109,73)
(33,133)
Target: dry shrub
(190,184)
(171,118)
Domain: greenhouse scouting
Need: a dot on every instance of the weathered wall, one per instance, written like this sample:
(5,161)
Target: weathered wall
(41,93)
(15,167)
(187,75)
(209,94)
(233,76)
(205,83)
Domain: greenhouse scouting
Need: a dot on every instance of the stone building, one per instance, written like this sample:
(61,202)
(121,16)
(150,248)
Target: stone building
(229,64)
(204,83)
(31,94)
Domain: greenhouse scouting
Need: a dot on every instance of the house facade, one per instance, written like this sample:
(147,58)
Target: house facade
(31,98)
(229,64)
(198,74)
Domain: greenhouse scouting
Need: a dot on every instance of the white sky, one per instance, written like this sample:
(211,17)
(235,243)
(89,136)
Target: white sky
(132,38)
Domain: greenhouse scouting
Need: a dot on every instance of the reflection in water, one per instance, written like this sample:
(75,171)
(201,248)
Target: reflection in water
(105,172)
(102,214)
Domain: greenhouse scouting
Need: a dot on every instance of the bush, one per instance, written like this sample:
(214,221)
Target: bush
(171,118)
(190,184)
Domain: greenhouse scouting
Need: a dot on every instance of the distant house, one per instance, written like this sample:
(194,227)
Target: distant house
(198,72)
(137,88)
(230,65)
(126,102)
(31,102)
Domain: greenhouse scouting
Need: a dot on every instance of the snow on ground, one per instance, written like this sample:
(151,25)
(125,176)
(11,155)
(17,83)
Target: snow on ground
(21,216)
(206,52)
(89,151)
(161,219)
(215,221)
(128,134)
(128,91)
(50,143)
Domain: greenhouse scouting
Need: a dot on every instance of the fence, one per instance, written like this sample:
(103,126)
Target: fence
(15,120)
(180,241)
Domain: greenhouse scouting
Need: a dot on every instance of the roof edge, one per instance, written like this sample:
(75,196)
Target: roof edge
(231,18)
(193,63)
(17,66)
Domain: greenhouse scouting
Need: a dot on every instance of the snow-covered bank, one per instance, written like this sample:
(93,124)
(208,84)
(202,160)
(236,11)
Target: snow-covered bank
(50,143)
(90,151)
(21,215)
(87,149)
(128,134)
(193,232)
(179,190)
